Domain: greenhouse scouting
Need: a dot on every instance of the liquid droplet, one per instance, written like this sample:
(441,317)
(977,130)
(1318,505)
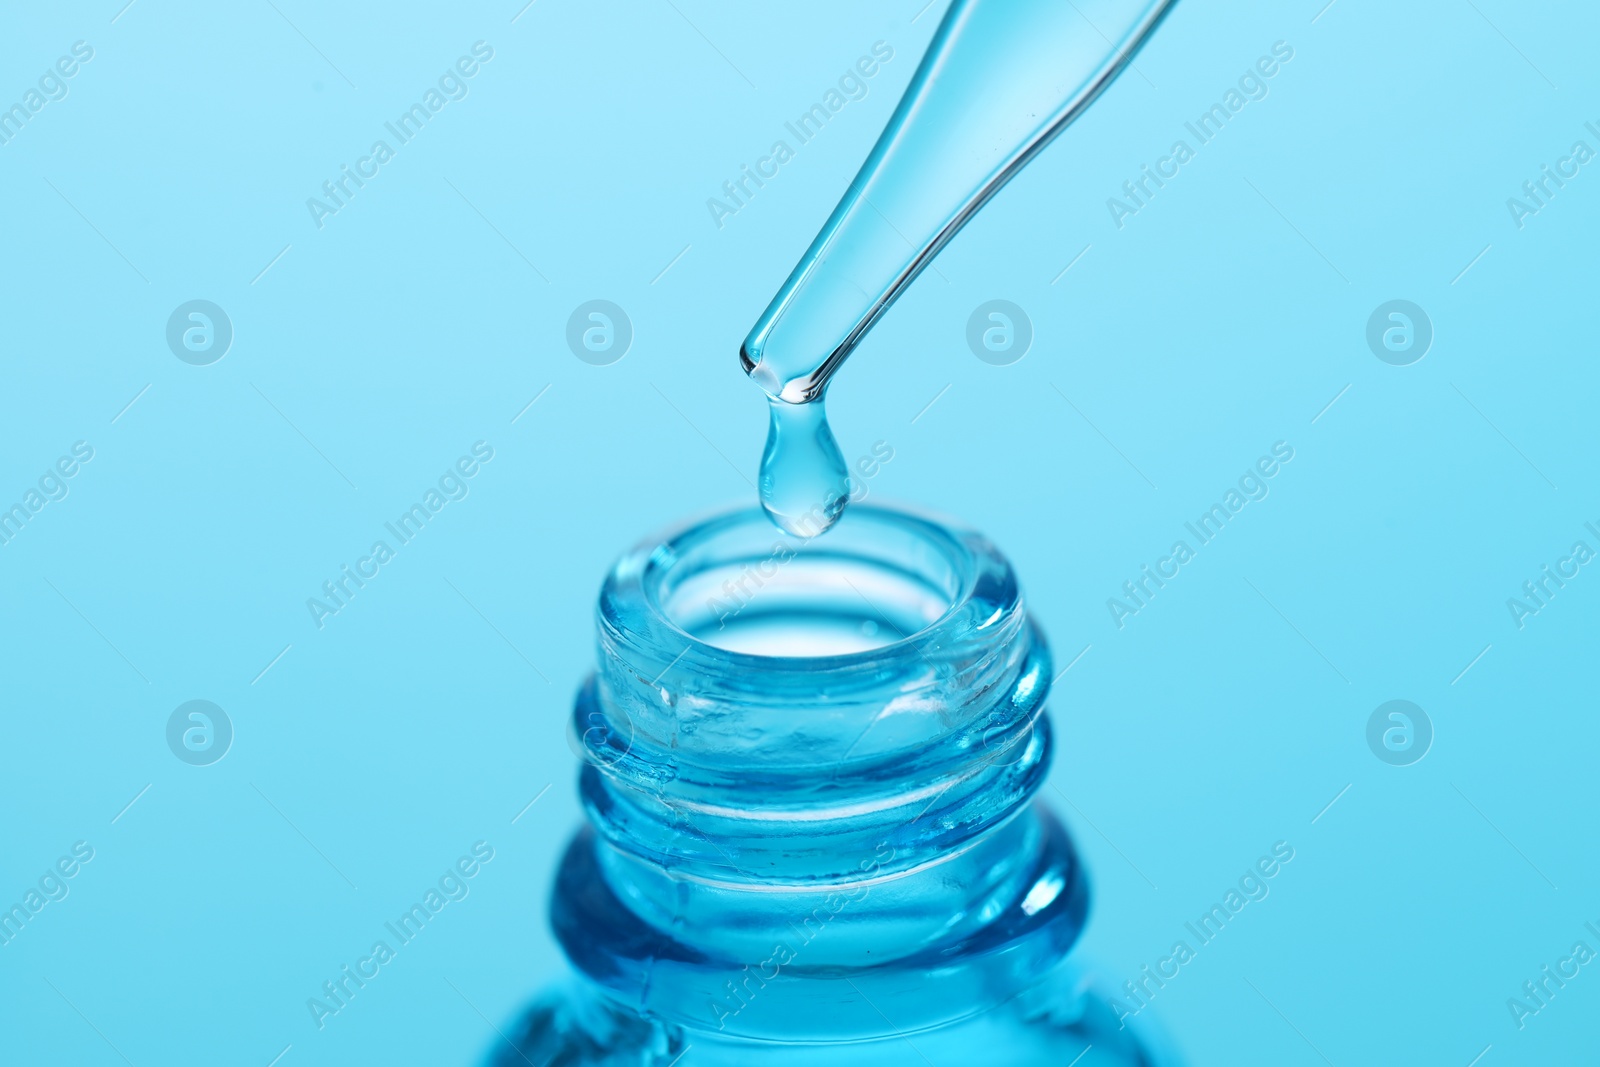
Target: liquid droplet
(804,482)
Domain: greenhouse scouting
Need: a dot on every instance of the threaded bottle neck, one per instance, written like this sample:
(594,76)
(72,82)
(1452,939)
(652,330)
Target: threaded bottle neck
(783,735)
(767,710)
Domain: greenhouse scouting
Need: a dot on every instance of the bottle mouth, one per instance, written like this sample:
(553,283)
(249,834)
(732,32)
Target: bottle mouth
(727,646)
(733,590)
(741,586)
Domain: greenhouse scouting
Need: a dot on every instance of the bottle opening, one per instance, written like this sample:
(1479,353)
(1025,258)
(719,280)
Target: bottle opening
(877,579)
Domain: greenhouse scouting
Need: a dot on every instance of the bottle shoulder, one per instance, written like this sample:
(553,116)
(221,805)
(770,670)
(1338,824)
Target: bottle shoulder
(1064,1019)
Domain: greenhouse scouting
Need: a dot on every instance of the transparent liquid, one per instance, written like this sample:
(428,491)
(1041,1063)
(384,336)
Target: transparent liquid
(805,484)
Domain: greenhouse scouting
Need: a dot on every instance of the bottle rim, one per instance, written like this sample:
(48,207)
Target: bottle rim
(636,618)
(880,724)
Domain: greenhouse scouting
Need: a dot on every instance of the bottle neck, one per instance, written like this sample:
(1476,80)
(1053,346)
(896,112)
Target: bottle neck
(762,819)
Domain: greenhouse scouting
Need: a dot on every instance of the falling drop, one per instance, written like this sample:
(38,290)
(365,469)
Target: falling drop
(804,482)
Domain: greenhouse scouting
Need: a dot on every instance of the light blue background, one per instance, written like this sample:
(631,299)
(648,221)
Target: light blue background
(426,715)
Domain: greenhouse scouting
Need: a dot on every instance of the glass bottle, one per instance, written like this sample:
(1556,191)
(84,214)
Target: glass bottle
(809,775)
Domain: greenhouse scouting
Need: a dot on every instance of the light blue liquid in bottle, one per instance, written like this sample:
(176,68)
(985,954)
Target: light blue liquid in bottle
(810,762)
